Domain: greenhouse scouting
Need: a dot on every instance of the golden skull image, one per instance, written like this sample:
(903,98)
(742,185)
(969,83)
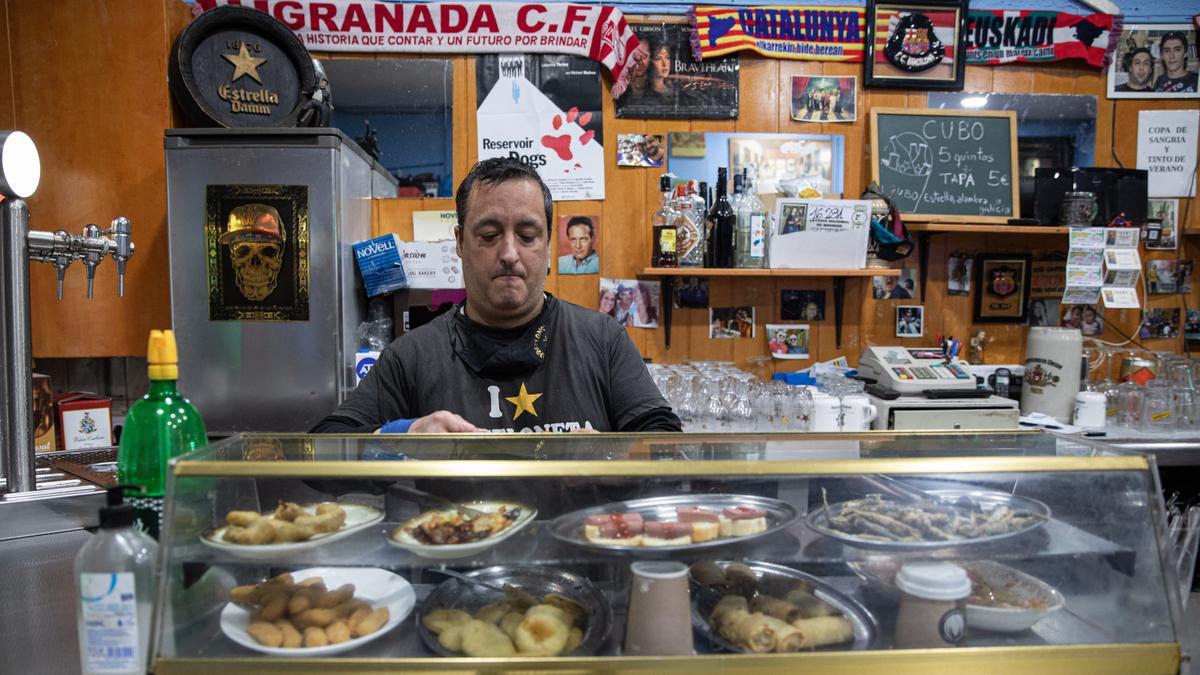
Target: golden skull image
(256,239)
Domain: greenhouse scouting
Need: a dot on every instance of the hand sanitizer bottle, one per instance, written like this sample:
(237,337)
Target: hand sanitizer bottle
(114,588)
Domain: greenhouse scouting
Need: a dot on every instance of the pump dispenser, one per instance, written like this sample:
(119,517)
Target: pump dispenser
(162,425)
(114,590)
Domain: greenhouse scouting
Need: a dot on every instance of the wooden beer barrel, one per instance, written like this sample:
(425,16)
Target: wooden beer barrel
(238,67)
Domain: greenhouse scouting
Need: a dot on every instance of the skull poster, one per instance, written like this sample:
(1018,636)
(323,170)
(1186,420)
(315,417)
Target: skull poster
(256,241)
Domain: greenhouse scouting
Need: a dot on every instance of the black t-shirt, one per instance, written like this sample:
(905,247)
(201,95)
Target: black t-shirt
(1177,85)
(588,375)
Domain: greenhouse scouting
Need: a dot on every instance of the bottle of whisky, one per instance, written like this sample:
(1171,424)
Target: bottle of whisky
(689,229)
(663,228)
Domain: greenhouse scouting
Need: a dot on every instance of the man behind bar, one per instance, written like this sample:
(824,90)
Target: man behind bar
(512,357)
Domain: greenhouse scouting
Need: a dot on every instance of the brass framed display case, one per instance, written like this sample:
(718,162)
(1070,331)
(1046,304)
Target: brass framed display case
(1061,541)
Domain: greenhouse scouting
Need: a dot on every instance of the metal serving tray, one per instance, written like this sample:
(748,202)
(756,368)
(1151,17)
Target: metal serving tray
(866,628)
(569,527)
(818,521)
(455,594)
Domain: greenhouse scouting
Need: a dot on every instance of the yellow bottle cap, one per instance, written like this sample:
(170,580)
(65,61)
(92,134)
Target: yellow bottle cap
(162,357)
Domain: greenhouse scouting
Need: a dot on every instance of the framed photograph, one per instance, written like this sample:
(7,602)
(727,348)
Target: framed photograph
(731,322)
(1002,281)
(685,143)
(903,287)
(1167,211)
(256,252)
(788,341)
(641,150)
(910,321)
(802,305)
(824,99)
(1155,61)
(1162,276)
(916,45)
(1044,312)
(958,281)
(691,292)
(667,82)
(1191,329)
(771,159)
(631,302)
(1087,318)
(579,244)
(1160,323)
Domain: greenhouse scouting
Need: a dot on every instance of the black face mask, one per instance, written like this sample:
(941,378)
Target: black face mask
(501,352)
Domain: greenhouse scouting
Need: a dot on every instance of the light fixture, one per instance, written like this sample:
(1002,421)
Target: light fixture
(974,101)
(20,166)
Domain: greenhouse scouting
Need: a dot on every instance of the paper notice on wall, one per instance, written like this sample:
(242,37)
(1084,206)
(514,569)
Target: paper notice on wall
(1166,149)
(546,112)
(434,225)
(1085,266)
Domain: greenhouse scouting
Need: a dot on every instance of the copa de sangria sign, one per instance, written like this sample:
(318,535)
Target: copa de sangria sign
(596,32)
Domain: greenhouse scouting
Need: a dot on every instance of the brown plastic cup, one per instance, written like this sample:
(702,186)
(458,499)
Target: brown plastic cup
(932,605)
(660,616)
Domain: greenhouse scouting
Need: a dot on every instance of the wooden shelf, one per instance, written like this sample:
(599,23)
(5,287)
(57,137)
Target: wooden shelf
(986,229)
(723,272)
(669,275)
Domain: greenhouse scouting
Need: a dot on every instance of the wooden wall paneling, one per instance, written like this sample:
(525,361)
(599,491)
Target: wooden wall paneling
(8,103)
(99,161)
(463,114)
(640,233)
(1056,78)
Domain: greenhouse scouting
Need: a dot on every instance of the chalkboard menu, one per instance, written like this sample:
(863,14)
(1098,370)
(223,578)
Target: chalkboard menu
(947,165)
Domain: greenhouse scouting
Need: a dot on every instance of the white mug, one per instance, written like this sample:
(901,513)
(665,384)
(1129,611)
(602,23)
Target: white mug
(857,412)
(1090,409)
(826,413)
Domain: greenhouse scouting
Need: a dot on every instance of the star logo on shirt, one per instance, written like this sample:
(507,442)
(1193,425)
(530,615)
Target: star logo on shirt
(524,402)
(244,64)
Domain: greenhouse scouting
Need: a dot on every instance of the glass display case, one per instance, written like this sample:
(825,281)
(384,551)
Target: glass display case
(871,552)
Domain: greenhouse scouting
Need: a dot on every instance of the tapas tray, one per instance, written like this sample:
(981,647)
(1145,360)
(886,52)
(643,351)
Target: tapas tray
(866,628)
(1033,513)
(569,528)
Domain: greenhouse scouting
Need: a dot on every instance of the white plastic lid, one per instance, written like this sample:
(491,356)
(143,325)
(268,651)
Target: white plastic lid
(656,569)
(934,581)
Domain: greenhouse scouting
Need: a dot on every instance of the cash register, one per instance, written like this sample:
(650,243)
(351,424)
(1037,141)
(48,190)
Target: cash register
(924,388)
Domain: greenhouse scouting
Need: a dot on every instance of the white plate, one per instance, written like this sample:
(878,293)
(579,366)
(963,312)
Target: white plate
(379,587)
(401,539)
(1011,619)
(357,518)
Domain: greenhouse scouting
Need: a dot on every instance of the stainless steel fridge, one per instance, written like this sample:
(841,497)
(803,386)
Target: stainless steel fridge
(265,295)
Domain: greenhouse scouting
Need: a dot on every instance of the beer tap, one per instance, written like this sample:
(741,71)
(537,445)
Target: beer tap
(61,248)
(20,174)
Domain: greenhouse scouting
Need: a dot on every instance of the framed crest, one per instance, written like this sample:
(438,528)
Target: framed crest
(916,45)
(1003,284)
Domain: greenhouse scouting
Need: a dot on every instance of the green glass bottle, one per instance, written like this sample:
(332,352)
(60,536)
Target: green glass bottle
(162,425)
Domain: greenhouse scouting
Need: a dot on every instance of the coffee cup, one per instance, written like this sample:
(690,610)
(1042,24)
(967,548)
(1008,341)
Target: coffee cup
(826,413)
(660,614)
(857,412)
(932,605)
(1090,409)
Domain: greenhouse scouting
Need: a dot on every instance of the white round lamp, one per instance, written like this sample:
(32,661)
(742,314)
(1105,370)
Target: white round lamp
(20,166)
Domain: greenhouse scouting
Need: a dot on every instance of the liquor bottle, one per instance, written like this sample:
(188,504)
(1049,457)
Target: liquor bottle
(162,425)
(736,200)
(722,223)
(663,228)
(702,204)
(689,229)
(751,228)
